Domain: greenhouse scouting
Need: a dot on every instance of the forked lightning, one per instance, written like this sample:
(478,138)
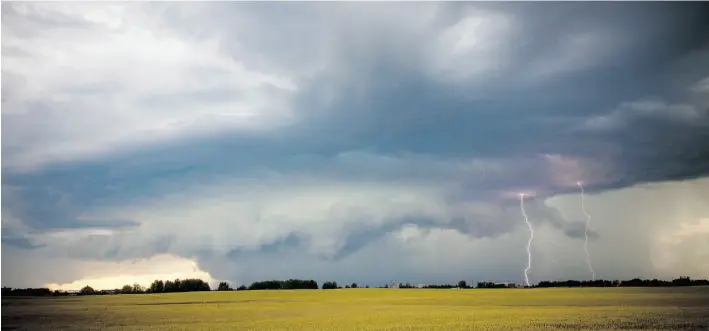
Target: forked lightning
(588,223)
(529,243)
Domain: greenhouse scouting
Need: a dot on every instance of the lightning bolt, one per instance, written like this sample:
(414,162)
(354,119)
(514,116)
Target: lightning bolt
(588,222)
(529,243)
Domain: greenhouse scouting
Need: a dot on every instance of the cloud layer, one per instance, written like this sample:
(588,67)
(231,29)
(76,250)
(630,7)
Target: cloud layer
(329,140)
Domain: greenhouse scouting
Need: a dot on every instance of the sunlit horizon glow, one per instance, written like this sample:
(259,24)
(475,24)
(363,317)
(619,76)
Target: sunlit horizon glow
(142,272)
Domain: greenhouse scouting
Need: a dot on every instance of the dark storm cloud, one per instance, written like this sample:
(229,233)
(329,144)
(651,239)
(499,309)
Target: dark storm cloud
(46,207)
(18,241)
(405,111)
(666,151)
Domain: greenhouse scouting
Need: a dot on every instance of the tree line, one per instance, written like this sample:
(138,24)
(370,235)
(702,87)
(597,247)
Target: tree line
(194,284)
(158,286)
(635,282)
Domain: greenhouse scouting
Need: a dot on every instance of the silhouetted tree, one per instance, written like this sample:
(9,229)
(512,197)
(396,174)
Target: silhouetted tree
(488,285)
(635,282)
(35,292)
(329,285)
(223,286)
(178,285)
(127,289)
(170,286)
(291,284)
(435,286)
(463,284)
(192,285)
(87,290)
(354,285)
(158,286)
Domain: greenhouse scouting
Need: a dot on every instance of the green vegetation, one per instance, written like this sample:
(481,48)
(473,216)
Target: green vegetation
(669,308)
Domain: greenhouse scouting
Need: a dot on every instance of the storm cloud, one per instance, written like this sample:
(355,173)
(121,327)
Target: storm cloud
(311,139)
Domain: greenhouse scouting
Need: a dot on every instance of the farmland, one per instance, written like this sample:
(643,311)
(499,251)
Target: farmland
(673,308)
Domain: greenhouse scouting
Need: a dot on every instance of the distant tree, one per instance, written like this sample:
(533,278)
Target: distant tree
(137,288)
(158,286)
(170,286)
(329,285)
(354,285)
(241,288)
(463,284)
(35,292)
(178,285)
(266,285)
(290,284)
(87,290)
(486,285)
(440,286)
(682,281)
(224,286)
(127,289)
(192,284)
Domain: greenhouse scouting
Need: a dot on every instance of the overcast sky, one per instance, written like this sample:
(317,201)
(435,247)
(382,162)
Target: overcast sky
(356,142)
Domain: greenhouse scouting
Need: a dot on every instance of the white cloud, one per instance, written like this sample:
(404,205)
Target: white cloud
(112,275)
(476,46)
(90,79)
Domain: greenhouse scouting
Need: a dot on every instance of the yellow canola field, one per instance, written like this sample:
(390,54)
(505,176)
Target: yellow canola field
(371,309)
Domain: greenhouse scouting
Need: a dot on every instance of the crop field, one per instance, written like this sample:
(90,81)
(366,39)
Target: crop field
(371,309)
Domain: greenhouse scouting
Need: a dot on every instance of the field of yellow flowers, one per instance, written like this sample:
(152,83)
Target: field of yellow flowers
(371,309)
